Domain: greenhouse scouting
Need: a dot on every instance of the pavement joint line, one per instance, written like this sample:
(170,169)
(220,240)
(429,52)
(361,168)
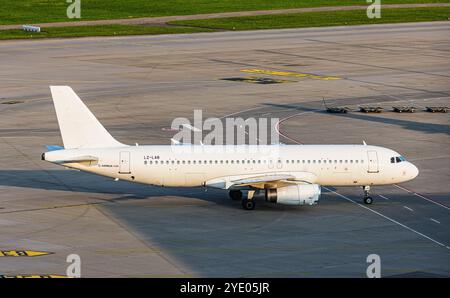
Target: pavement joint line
(388,218)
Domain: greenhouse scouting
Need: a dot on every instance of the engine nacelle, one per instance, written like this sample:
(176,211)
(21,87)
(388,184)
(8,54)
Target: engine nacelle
(307,194)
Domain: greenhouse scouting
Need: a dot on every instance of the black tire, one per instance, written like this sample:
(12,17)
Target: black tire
(235,195)
(368,200)
(248,204)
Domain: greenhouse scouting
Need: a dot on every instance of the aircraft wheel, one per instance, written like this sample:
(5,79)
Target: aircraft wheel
(235,195)
(368,200)
(248,204)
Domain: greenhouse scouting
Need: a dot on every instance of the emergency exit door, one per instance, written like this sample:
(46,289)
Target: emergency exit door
(372,159)
(124,162)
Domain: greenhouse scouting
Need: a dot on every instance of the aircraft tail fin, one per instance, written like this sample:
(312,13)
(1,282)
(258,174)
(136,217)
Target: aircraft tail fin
(79,127)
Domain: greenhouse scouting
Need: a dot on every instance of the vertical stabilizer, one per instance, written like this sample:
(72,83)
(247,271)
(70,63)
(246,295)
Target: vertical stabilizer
(79,127)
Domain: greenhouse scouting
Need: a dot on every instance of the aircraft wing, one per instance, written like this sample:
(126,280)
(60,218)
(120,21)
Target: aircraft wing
(261,181)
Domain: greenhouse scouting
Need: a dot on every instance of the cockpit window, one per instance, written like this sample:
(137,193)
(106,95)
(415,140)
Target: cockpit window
(397,159)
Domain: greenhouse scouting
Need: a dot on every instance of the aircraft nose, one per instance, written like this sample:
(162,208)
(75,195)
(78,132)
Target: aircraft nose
(414,171)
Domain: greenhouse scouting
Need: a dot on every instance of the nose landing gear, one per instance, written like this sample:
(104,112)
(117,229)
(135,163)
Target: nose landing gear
(367,198)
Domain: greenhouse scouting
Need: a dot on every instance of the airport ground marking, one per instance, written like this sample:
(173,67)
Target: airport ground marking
(190,127)
(23,253)
(35,276)
(290,74)
(383,197)
(277,126)
(407,208)
(434,220)
(258,80)
(421,196)
(365,207)
(388,218)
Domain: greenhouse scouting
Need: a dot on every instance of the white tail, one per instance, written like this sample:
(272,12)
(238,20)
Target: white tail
(79,127)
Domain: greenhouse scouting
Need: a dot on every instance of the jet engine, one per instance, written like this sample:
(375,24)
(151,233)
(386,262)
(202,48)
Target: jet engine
(306,194)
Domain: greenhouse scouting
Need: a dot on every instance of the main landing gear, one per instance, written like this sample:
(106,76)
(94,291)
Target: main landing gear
(235,194)
(247,201)
(367,198)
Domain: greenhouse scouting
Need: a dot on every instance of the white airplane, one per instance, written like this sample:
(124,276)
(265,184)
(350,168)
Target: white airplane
(283,174)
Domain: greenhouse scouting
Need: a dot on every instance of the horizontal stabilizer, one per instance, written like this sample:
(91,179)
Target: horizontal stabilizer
(54,147)
(77,159)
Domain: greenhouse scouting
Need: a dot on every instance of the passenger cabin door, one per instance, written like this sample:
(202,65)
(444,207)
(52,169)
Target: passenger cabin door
(372,159)
(124,162)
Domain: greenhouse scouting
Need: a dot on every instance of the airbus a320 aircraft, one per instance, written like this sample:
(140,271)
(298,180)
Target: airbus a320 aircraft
(283,174)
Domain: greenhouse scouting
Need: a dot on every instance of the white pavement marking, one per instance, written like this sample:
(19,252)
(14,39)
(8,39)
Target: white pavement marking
(190,127)
(383,197)
(406,207)
(390,219)
(277,126)
(421,196)
(436,221)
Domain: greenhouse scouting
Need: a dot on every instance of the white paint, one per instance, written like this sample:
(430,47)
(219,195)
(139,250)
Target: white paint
(407,208)
(421,196)
(89,147)
(388,218)
(436,221)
